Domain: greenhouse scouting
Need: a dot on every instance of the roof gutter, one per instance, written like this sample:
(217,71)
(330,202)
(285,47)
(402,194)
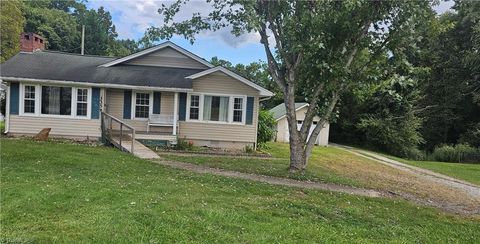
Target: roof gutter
(104,85)
(264,99)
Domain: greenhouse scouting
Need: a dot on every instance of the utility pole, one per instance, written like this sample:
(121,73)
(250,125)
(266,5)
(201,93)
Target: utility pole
(83,39)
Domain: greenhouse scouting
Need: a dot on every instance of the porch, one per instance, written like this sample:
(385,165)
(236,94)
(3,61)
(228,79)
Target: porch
(152,114)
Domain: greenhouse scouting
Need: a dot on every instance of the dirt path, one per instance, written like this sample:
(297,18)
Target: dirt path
(274,180)
(468,188)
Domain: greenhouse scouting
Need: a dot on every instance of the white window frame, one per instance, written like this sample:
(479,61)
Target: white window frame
(230,108)
(244,109)
(86,102)
(200,106)
(38,102)
(134,103)
(22,100)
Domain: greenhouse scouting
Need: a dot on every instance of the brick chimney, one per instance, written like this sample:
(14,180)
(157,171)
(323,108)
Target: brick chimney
(31,42)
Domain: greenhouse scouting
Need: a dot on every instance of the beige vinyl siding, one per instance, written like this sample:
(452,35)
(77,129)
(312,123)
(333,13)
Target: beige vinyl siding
(115,107)
(222,84)
(60,126)
(167,57)
(220,132)
(166,102)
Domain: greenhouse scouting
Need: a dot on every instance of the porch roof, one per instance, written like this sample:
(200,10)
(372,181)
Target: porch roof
(48,65)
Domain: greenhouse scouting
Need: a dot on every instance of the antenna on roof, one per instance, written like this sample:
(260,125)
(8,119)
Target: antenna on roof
(83,39)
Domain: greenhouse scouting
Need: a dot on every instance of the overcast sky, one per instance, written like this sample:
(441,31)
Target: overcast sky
(132,18)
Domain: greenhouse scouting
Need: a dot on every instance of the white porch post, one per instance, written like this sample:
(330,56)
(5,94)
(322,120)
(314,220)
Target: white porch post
(175,113)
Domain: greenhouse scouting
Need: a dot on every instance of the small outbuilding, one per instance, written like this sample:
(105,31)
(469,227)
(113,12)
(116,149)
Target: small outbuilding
(282,135)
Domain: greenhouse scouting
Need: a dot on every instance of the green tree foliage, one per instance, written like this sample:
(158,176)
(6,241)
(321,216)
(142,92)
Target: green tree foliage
(57,26)
(266,127)
(123,47)
(382,117)
(258,73)
(452,89)
(318,48)
(389,122)
(12,22)
(60,22)
(448,103)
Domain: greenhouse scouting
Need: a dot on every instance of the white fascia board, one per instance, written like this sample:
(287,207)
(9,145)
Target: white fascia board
(103,85)
(285,115)
(155,48)
(263,92)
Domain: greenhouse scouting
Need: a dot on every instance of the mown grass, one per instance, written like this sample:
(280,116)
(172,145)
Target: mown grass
(319,171)
(462,171)
(58,192)
(334,165)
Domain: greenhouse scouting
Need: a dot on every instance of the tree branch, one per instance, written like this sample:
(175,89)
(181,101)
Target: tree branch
(320,125)
(307,121)
(273,66)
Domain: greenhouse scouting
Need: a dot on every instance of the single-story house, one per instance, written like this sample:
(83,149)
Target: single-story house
(282,135)
(164,92)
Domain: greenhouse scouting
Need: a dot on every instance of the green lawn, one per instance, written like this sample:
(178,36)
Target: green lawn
(276,166)
(59,192)
(466,172)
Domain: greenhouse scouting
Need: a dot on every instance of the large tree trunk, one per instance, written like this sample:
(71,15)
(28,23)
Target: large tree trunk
(298,160)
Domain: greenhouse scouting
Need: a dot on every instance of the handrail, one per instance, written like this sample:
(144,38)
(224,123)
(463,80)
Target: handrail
(118,120)
(122,124)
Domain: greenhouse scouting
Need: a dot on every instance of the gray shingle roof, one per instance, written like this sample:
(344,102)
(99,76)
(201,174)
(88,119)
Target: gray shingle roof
(280,110)
(73,67)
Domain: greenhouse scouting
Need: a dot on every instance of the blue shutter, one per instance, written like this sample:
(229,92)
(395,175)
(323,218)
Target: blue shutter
(182,107)
(249,115)
(157,97)
(14,96)
(95,103)
(127,104)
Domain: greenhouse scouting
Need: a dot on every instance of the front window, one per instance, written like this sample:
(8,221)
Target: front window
(82,101)
(194,107)
(215,108)
(142,105)
(238,109)
(29,100)
(56,100)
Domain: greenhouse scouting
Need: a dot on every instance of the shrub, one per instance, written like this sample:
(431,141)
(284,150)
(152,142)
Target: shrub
(183,144)
(249,149)
(415,154)
(266,127)
(460,153)
(398,137)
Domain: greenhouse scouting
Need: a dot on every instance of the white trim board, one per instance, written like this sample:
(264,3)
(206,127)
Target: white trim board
(263,91)
(156,48)
(90,84)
